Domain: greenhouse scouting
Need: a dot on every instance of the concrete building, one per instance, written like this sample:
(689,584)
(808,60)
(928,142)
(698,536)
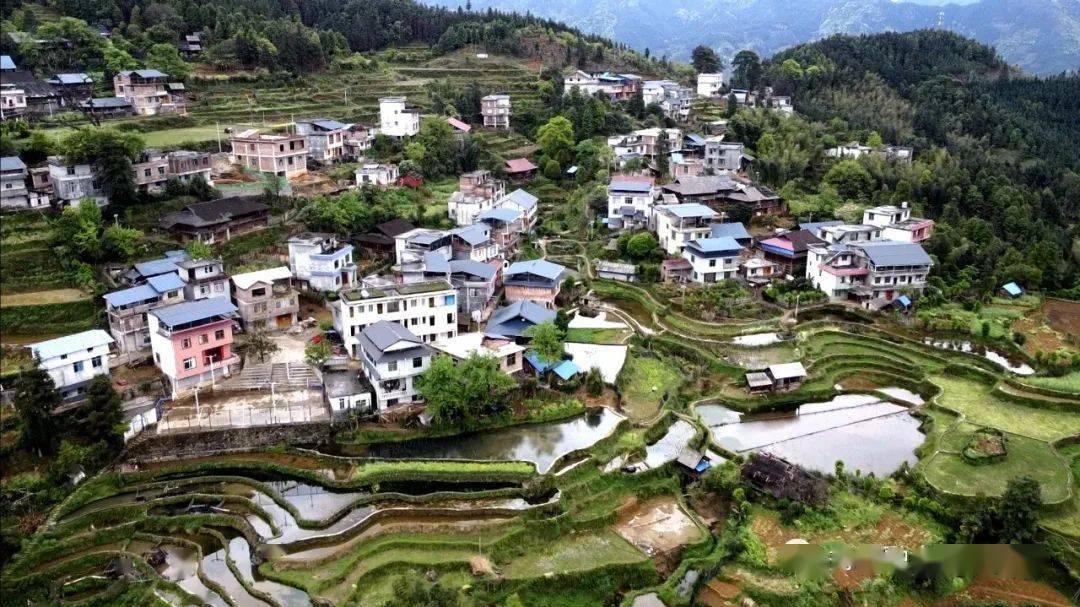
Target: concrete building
(477,192)
(320,263)
(13,176)
(13,101)
(673,98)
(186,166)
(496,111)
(678,224)
(506,227)
(72,182)
(346,391)
(723,155)
(203,278)
(476,283)
(897,224)
(710,85)
(538,280)
(266,299)
(151,171)
(872,273)
(851,150)
(396,120)
(381,175)
(282,155)
(325,137)
(150,92)
(617,87)
(428,308)
(192,342)
(127,309)
(72,361)
(713,259)
(509,354)
(523,202)
(392,358)
(630,201)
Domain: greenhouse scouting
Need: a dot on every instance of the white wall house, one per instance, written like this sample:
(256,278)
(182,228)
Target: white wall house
(427,308)
(710,85)
(320,263)
(397,120)
(630,201)
(73,182)
(874,273)
(477,192)
(713,259)
(376,174)
(678,224)
(392,358)
(896,223)
(72,361)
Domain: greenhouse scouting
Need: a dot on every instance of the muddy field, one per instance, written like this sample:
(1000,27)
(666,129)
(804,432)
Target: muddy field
(659,527)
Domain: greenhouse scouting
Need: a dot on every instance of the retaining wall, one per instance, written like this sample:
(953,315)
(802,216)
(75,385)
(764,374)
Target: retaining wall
(159,447)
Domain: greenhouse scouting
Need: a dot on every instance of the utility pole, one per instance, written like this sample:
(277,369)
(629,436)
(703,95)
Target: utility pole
(217,127)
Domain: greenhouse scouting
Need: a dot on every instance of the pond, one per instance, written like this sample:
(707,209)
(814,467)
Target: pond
(1016,368)
(862,430)
(756,339)
(668,448)
(541,444)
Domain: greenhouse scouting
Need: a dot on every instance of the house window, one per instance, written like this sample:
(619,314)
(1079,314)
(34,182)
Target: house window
(219,334)
(204,338)
(391,366)
(95,362)
(185,343)
(417,362)
(78,366)
(189,363)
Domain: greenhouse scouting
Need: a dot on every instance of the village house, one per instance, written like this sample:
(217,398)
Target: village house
(515,319)
(683,165)
(734,230)
(678,224)
(359,139)
(898,153)
(73,88)
(325,138)
(780,376)
(872,273)
(630,201)
(107,107)
(283,155)
(713,259)
(150,92)
(412,249)
(392,358)
(72,182)
(187,166)
(723,155)
(523,202)
(496,111)
(346,391)
(780,103)
(476,283)
(851,150)
(509,354)
(789,250)
(676,270)
(72,361)
(218,220)
(192,342)
(320,263)
(203,278)
(477,192)
(381,240)
(897,224)
(505,226)
(151,171)
(396,120)
(758,271)
(28,95)
(618,87)
(760,199)
(707,190)
(380,175)
(145,270)
(12,101)
(266,299)
(14,193)
(127,309)
(611,270)
(428,308)
(191,46)
(710,85)
(520,169)
(536,279)
(473,242)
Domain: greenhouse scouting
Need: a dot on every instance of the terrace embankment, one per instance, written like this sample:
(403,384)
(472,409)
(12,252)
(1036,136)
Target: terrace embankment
(156,447)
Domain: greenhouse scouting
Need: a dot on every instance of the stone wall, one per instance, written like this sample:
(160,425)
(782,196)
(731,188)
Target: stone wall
(150,446)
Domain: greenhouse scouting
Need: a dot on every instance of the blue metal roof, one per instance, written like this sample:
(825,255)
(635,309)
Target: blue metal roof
(566,369)
(125,297)
(723,244)
(1012,289)
(500,214)
(474,234)
(734,230)
(69,344)
(473,267)
(539,267)
(904,300)
(6,63)
(888,253)
(620,185)
(436,262)
(330,125)
(12,163)
(78,78)
(519,197)
(691,209)
(194,311)
(156,266)
(108,102)
(163,283)
(541,365)
(512,320)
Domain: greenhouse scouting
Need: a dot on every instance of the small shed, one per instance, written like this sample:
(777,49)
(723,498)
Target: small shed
(693,461)
(786,375)
(345,391)
(566,370)
(758,382)
(625,272)
(1012,289)
(520,169)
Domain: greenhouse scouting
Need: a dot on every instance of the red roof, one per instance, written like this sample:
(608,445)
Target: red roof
(845,271)
(519,165)
(780,243)
(676,264)
(459,125)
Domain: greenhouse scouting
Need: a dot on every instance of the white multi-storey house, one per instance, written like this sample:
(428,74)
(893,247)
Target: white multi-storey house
(477,192)
(896,223)
(72,182)
(427,308)
(713,259)
(397,120)
(710,85)
(72,361)
(320,263)
(874,273)
(496,111)
(203,278)
(678,224)
(630,201)
(392,358)
(376,174)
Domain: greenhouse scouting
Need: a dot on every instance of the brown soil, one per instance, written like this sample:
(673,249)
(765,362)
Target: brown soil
(710,507)
(891,530)
(657,526)
(859,573)
(718,594)
(858,383)
(1008,592)
(1063,315)
(1050,327)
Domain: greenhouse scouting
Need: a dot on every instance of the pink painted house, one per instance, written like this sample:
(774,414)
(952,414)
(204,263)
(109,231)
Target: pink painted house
(536,279)
(192,342)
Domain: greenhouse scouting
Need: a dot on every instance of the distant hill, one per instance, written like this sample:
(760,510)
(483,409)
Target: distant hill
(1040,36)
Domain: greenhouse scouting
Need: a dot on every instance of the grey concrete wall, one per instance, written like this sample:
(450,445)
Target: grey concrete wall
(150,446)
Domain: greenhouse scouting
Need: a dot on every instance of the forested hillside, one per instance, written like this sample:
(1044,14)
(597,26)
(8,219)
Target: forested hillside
(998,161)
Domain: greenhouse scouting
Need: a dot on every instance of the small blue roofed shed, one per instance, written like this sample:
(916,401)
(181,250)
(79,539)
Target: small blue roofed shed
(1012,289)
(566,369)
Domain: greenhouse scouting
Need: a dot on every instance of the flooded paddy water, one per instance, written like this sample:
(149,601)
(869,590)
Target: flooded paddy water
(1014,367)
(864,431)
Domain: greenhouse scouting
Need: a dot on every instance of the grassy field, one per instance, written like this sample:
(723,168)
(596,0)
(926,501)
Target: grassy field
(597,336)
(1069,382)
(978,405)
(36,298)
(644,382)
(574,553)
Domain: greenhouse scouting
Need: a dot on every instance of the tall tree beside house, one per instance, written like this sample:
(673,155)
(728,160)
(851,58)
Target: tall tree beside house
(705,60)
(101,419)
(35,399)
(747,74)
(112,151)
(546,340)
(556,140)
(166,58)
(255,344)
(461,394)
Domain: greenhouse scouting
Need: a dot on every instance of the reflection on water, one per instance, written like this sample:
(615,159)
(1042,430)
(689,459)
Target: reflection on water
(863,431)
(668,448)
(757,339)
(541,444)
(993,356)
(240,552)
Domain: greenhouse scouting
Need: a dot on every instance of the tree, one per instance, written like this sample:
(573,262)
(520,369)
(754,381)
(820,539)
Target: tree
(547,340)
(640,246)
(119,243)
(552,170)
(747,74)
(463,393)
(256,344)
(75,232)
(434,149)
(412,592)
(874,140)
(556,139)
(851,179)
(197,249)
(317,353)
(35,399)
(705,60)
(112,152)
(102,418)
(1018,513)
(166,57)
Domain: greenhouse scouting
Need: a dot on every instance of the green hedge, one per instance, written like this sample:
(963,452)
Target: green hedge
(48,319)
